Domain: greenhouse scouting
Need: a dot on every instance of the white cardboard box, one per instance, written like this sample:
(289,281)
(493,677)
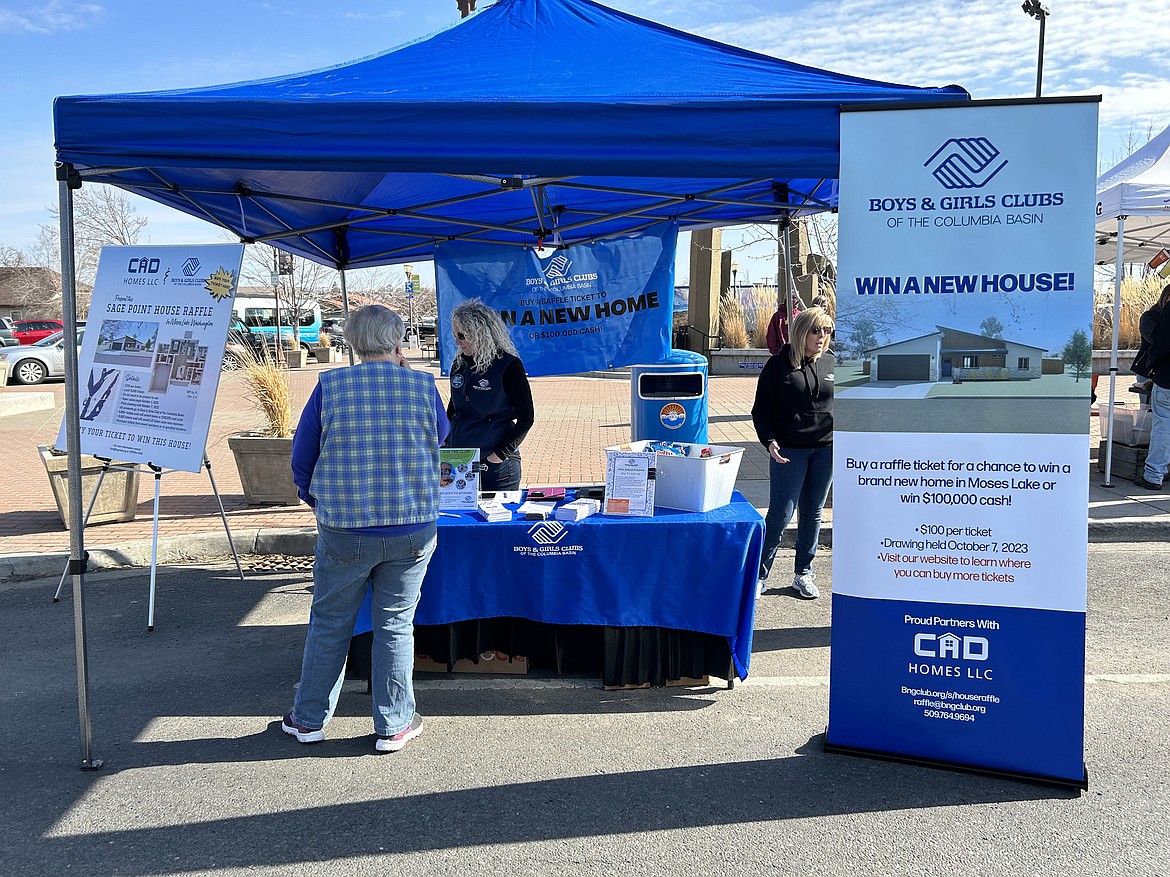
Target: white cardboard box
(695,483)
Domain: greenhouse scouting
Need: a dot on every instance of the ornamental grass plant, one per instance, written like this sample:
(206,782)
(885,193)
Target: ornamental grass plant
(1137,295)
(732,325)
(267,388)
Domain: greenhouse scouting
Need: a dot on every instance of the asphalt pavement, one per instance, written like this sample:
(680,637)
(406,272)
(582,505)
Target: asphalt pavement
(538,775)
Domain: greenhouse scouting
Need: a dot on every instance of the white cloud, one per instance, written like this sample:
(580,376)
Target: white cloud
(987,46)
(50,18)
(373,16)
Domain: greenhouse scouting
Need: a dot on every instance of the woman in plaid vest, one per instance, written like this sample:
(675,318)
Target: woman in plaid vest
(366,459)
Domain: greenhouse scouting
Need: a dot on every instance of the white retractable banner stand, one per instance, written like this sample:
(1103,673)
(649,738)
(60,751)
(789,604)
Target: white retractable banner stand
(960,452)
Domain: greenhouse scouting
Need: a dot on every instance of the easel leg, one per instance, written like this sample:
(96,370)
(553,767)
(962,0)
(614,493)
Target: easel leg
(84,521)
(154,546)
(223,517)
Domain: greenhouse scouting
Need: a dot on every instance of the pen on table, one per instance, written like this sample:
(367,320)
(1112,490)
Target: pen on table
(448,515)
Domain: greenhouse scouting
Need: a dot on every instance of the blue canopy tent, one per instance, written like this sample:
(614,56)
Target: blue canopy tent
(554,121)
(532,119)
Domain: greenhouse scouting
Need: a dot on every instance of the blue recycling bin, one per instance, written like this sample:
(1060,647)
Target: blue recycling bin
(668,399)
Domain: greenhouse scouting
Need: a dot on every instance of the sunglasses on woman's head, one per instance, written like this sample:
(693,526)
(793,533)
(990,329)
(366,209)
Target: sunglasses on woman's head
(821,330)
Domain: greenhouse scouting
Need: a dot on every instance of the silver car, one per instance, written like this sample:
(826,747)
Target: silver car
(32,363)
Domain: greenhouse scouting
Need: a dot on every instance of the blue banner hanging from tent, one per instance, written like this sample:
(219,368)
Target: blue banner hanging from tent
(584,308)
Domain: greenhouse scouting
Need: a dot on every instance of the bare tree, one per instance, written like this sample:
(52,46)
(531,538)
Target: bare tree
(102,216)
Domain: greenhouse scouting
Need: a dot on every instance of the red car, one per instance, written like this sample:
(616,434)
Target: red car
(32,331)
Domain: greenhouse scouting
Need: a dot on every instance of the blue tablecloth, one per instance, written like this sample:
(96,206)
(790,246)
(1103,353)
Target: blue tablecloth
(681,570)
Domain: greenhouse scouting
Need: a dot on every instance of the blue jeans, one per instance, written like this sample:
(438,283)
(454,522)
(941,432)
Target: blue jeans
(801,485)
(346,562)
(500,476)
(1158,458)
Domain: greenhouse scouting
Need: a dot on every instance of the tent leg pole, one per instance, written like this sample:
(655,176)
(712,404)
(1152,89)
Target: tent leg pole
(84,521)
(67,181)
(1113,351)
(345,307)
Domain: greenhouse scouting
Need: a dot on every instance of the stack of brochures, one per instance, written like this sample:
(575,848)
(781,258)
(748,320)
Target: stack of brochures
(537,511)
(494,510)
(578,509)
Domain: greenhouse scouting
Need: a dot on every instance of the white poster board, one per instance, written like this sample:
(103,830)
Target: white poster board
(149,363)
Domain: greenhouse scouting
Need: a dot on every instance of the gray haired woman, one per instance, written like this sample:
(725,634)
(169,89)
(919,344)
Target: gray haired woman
(491,401)
(364,458)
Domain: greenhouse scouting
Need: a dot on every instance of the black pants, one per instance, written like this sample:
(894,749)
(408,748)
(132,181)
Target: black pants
(500,476)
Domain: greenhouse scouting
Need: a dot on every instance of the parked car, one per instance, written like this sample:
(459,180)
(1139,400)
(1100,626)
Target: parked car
(242,346)
(32,363)
(32,331)
(7,339)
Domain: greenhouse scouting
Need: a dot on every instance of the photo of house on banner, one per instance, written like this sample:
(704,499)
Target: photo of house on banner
(982,370)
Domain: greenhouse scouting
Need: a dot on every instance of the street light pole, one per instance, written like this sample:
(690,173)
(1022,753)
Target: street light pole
(1040,12)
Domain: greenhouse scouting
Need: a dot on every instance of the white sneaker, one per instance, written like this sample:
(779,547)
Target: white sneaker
(804,586)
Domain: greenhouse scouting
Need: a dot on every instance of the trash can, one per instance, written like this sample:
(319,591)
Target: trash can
(668,399)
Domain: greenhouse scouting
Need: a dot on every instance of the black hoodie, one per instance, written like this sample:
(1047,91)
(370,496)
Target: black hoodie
(794,406)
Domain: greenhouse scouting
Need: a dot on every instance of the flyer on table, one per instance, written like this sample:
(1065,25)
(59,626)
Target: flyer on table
(963,342)
(149,363)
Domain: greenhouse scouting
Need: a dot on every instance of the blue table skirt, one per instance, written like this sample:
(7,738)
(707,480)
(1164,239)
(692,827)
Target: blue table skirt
(681,570)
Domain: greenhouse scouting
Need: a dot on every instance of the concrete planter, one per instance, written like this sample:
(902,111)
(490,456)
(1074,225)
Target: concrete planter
(265,467)
(117,500)
(326,354)
(747,361)
(295,358)
(1101,359)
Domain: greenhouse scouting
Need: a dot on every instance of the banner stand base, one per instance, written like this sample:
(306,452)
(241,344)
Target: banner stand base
(1081,785)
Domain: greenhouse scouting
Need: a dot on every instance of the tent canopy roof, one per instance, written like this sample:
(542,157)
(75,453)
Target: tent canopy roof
(1137,188)
(531,116)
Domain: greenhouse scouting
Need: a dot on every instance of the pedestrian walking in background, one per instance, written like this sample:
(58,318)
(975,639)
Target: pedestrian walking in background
(1155,330)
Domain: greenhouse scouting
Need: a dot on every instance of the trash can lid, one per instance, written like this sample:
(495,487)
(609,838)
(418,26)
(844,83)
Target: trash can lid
(679,357)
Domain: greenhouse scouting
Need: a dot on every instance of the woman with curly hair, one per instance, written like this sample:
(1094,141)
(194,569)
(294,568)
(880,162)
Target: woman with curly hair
(491,402)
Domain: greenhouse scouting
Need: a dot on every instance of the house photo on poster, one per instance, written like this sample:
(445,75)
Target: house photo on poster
(963,299)
(150,360)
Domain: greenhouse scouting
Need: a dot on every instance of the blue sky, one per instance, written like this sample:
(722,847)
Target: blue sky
(1106,47)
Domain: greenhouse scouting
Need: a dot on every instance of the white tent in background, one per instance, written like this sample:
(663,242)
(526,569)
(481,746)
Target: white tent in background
(1133,224)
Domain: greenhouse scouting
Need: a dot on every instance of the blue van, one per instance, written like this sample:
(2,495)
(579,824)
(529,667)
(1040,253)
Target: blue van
(259,315)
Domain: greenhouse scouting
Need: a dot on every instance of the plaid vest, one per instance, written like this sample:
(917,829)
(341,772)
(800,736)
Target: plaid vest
(379,462)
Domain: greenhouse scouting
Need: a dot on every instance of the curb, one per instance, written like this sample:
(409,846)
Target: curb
(191,548)
(299,542)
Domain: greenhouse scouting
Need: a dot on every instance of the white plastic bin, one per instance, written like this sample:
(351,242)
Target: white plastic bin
(695,483)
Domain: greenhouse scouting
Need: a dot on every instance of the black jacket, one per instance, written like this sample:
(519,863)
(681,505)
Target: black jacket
(490,410)
(794,406)
(1155,328)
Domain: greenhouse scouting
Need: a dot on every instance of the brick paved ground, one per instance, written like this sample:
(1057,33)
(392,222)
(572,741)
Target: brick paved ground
(577,417)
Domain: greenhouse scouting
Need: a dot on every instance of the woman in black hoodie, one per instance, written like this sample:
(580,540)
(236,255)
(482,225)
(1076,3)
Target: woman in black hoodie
(793,416)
